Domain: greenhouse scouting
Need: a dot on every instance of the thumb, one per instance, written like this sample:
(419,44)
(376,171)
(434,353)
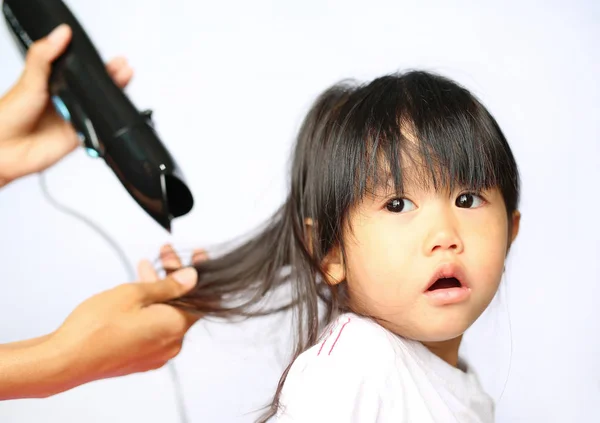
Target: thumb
(41,54)
(175,285)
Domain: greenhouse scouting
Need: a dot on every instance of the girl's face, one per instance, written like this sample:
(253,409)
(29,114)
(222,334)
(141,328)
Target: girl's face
(397,247)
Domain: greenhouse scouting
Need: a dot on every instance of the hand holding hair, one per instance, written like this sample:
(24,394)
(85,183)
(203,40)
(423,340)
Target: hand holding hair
(124,330)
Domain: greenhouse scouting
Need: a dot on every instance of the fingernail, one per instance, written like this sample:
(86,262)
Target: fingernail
(199,256)
(167,248)
(58,33)
(186,276)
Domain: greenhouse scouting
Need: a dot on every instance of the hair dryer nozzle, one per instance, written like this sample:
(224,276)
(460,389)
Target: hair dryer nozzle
(149,173)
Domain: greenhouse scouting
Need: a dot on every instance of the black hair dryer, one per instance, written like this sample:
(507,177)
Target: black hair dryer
(108,124)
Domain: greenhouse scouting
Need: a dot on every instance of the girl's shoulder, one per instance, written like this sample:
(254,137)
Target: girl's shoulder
(354,339)
(345,376)
(361,372)
(353,350)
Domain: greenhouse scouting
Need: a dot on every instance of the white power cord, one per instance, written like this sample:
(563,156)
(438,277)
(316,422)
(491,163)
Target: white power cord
(131,276)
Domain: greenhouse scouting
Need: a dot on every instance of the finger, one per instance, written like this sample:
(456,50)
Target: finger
(169,259)
(199,255)
(116,64)
(123,77)
(120,71)
(41,54)
(28,97)
(173,286)
(146,272)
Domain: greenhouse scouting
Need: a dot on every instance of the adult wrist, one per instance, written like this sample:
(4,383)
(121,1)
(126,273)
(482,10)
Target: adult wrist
(50,370)
(10,160)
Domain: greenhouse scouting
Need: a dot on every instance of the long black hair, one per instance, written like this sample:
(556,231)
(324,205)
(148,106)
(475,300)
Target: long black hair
(352,132)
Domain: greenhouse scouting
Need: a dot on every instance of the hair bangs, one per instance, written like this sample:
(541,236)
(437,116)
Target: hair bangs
(419,129)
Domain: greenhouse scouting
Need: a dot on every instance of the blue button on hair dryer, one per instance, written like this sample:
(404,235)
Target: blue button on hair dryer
(107,122)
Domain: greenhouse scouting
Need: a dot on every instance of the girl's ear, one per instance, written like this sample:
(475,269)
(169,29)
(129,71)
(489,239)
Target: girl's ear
(308,234)
(516,221)
(333,264)
(514,228)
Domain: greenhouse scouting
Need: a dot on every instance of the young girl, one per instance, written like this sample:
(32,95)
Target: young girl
(401,212)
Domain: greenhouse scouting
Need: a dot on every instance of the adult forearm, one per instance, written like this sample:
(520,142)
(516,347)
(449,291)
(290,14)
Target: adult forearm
(34,369)
(26,343)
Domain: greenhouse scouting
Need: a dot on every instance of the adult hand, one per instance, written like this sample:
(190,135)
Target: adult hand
(125,330)
(135,330)
(33,136)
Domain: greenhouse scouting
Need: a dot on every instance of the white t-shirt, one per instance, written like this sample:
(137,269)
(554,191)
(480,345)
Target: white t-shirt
(362,373)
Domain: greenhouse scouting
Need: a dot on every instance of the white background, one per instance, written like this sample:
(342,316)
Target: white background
(229,82)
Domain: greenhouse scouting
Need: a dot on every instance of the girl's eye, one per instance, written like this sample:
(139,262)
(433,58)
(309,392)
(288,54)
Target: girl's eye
(399,205)
(468,201)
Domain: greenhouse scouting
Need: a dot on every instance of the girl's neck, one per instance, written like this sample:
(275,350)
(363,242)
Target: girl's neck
(446,350)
